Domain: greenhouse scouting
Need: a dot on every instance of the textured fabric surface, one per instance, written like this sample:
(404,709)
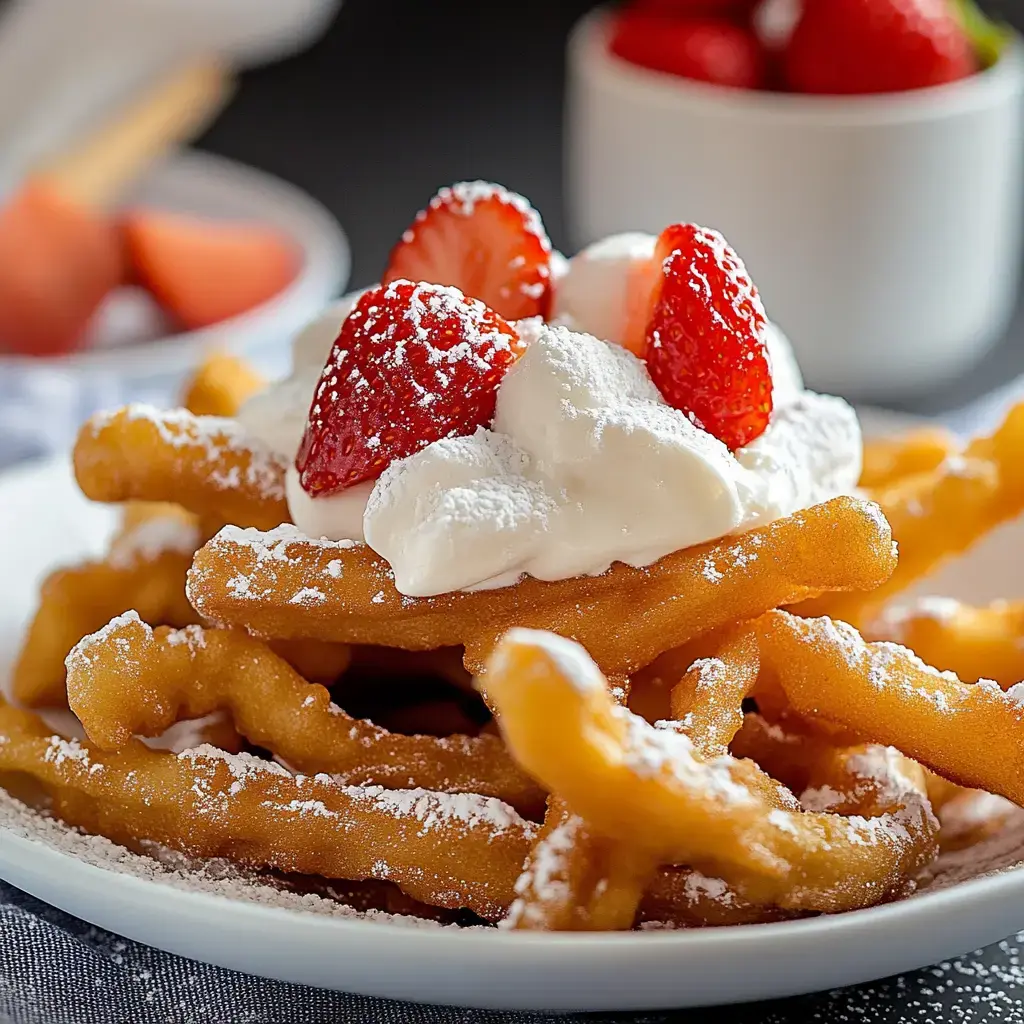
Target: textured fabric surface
(55,969)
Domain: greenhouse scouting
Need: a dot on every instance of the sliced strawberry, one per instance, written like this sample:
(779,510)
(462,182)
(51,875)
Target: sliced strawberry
(60,261)
(706,337)
(413,363)
(486,241)
(204,271)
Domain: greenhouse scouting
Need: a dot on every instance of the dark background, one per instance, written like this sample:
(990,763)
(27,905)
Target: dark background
(404,96)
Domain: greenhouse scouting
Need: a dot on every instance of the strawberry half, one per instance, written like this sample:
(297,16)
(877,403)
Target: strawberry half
(484,240)
(706,349)
(413,363)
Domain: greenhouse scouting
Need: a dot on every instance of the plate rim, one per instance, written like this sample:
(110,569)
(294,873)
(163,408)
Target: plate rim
(682,937)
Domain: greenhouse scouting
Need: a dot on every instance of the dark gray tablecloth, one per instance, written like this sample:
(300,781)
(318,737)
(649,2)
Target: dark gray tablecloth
(55,969)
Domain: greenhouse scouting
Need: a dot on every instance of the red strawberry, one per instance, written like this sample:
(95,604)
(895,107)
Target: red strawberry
(871,46)
(484,240)
(413,363)
(706,337)
(705,49)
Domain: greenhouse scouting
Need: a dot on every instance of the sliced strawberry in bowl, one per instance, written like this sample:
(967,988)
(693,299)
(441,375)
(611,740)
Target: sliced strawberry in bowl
(414,363)
(706,336)
(484,240)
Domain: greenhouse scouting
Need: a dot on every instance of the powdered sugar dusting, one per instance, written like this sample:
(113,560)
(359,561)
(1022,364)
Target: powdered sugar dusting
(651,751)
(273,544)
(81,653)
(60,750)
(271,547)
(891,665)
(179,428)
(571,660)
(468,193)
(545,875)
(193,637)
(244,768)
(433,809)
(699,888)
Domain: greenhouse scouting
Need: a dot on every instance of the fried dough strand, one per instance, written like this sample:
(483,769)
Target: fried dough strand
(626,778)
(221,385)
(887,460)
(885,694)
(575,881)
(449,851)
(282,585)
(131,680)
(205,464)
(973,642)
(145,569)
(941,513)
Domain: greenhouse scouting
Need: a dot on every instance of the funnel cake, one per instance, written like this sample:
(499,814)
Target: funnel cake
(592,484)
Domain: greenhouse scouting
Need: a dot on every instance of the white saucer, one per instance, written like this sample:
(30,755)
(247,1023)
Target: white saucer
(43,520)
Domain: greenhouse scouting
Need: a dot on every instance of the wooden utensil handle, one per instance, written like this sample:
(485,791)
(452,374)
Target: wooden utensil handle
(177,108)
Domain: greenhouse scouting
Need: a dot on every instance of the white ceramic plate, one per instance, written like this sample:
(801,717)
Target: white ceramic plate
(43,520)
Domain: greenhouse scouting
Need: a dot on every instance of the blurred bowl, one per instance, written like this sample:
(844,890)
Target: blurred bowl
(883,231)
(43,401)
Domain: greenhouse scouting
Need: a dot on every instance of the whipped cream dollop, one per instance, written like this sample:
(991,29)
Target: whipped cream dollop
(584,464)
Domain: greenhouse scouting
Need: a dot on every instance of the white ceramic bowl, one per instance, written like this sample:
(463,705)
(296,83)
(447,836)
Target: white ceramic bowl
(43,401)
(883,231)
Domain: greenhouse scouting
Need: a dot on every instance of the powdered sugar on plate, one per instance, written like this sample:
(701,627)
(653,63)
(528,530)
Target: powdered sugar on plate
(215,878)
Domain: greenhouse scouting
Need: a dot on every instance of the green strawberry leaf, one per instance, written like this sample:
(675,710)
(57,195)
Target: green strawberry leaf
(988,38)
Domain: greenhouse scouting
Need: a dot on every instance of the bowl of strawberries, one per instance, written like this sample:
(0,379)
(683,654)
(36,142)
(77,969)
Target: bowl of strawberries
(203,255)
(866,156)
